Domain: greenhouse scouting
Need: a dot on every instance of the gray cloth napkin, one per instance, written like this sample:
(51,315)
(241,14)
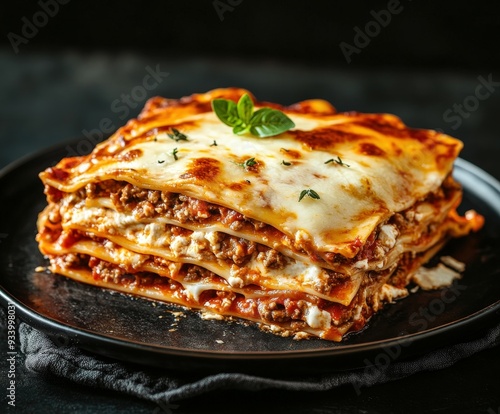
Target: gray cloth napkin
(46,357)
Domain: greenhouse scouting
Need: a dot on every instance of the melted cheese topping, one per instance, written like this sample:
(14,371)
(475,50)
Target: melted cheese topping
(389,167)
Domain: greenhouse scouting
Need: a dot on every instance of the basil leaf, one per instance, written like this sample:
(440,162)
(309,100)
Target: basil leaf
(241,129)
(245,108)
(264,122)
(226,111)
(267,122)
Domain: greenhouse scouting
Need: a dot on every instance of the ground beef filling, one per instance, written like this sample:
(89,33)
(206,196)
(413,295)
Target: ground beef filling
(222,247)
(145,203)
(148,204)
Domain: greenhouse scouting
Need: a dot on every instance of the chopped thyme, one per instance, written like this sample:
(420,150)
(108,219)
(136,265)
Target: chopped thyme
(177,135)
(250,162)
(214,143)
(161,161)
(174,153)
(337,161)
(286,163)
(309,192)
(247,163)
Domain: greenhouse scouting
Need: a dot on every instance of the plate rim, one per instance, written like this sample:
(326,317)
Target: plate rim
(50,325)
(79,333)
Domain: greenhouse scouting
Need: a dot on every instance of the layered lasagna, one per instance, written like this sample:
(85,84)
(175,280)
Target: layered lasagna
(306,233)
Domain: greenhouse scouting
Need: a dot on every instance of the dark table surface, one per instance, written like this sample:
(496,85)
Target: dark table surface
(51,98)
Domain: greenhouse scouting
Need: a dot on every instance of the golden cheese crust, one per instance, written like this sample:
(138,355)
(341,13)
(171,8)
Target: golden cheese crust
(384,167)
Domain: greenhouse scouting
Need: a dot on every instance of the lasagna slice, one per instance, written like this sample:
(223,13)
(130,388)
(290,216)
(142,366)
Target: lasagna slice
(307,233)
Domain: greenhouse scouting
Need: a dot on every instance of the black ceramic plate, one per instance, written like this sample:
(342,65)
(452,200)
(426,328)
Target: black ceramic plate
(142,331)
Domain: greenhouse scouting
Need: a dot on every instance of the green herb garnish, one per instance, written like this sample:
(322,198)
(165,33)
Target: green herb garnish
(265,122)
(286,163)
(214,144)
(250,162)
(174,153)
(309,192)
(177,136)
(337,161)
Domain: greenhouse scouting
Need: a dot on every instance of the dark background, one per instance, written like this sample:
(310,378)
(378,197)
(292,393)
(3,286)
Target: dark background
(422,60)
(423,35)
